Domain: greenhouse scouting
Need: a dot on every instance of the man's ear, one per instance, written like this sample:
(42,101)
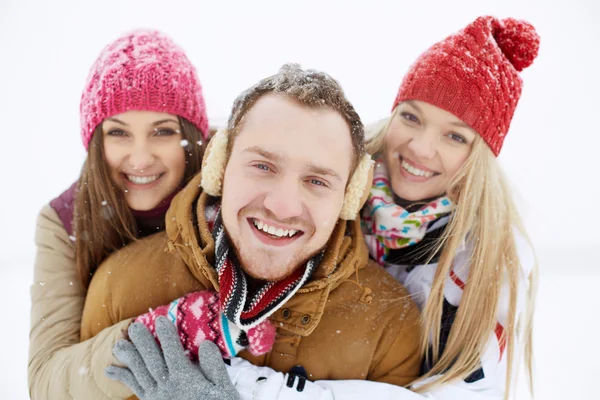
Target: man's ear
(358,189)
(214,162)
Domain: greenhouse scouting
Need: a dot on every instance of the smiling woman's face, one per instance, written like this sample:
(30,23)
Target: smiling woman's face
(424,148)
(144,153)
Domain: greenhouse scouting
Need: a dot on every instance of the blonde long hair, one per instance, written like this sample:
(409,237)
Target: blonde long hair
(485,213)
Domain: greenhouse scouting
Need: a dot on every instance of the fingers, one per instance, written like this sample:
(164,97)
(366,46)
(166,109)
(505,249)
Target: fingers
(212,365)
(152,355)
(127,353)
(125,376)
(175,357)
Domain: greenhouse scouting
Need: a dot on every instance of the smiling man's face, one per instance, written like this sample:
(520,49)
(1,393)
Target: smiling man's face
(284,184)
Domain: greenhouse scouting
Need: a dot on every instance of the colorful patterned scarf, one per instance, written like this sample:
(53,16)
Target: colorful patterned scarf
(387,226)
(247,307)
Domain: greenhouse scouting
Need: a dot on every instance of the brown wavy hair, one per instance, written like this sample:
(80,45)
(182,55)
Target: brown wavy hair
(102,228)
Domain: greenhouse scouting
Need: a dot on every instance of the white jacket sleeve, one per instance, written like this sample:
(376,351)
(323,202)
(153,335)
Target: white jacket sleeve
(263,383)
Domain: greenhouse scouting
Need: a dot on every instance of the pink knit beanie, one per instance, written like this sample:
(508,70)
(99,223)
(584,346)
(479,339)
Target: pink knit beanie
(474,74)
(142,70)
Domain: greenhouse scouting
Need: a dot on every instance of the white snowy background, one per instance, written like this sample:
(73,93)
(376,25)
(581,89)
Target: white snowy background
(551,154)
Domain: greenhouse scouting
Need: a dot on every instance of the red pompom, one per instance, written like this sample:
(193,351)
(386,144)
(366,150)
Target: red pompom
(519,42)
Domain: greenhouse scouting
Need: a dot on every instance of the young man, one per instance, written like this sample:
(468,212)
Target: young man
(272,231)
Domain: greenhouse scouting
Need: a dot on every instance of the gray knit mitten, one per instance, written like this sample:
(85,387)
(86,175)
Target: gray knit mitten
(155,374)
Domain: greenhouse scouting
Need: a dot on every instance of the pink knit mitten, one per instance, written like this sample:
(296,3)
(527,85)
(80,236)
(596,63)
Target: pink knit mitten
(198,317)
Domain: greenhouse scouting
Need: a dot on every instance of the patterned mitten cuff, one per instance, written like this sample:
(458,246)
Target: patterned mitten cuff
(198,317)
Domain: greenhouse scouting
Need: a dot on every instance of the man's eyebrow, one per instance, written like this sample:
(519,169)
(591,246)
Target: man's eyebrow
(315,169)
(264,153)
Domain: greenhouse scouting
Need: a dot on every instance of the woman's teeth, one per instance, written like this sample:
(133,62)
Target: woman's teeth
(274,231)
(415,171)
(142,180)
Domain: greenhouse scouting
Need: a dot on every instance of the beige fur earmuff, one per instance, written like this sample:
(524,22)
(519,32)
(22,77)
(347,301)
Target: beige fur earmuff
(215,160)
(357,191)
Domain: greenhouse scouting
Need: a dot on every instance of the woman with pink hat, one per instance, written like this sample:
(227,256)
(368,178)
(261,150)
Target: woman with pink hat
(144,124)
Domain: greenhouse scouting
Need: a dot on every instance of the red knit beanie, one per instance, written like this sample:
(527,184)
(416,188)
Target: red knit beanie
(474,75)
(142,70)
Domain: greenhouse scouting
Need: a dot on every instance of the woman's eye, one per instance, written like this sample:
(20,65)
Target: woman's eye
(410,117)
(457,138)
(164,132)
(116,132)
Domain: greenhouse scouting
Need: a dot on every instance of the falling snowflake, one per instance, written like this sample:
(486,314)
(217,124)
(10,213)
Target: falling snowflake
(83,370)
(184,143)
(104,202)
(72,238)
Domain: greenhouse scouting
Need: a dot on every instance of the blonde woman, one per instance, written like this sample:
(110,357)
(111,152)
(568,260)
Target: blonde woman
(441,219)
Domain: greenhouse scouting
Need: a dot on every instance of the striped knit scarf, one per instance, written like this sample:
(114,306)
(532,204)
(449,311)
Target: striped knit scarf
(387,226)
(247,307)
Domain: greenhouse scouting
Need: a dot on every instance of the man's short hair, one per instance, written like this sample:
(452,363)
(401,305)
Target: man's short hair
(311,89)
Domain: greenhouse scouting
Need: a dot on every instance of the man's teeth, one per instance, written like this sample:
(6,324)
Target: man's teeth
(142,180)
(274,231)
(415,171)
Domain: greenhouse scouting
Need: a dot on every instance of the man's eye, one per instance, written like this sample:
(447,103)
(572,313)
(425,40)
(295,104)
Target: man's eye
(317,182)
(263,167)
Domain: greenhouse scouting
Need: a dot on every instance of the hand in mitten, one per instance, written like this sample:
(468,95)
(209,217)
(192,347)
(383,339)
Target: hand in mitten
(198,317)
(155,374)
